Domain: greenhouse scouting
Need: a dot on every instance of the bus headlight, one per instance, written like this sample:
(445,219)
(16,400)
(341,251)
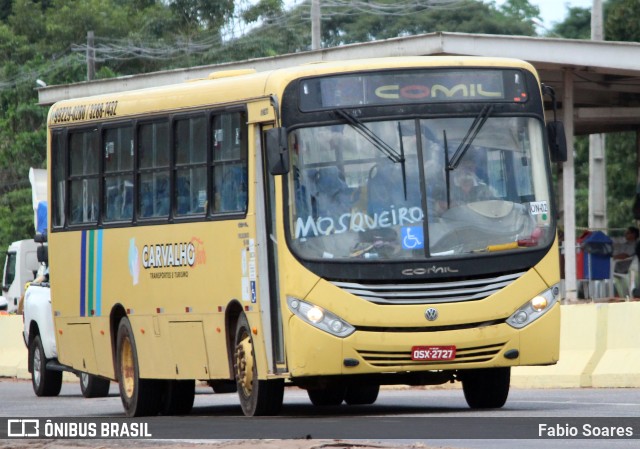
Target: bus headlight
(535,308)
(320,318)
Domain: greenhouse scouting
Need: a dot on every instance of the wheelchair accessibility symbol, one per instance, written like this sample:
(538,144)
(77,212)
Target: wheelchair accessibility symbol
(412,237)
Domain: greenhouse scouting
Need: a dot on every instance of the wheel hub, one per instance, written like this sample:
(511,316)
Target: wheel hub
(127,371)
(244,365)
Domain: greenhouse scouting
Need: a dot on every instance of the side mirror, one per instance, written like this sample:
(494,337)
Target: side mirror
(277,151)
(557,141)
(42,253)
(40,237)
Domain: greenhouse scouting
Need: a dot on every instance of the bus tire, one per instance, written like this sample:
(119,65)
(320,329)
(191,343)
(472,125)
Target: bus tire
(361,394)
(486,388)
(178,396)
(140,397)
(331,394)
(257,397)
(45,382)
(93,386)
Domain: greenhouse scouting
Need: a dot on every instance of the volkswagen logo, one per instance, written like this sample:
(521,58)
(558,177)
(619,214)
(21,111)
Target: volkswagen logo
(431,314)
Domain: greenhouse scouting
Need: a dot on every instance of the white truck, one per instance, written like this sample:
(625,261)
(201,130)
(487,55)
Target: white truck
(21,263)
(20,266)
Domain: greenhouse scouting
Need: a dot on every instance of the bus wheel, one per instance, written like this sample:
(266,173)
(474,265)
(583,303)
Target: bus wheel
(94,386)
(332,394)
(140,397)
(257,397)
(178,396)
(486,388)
(45,382)
(361,394)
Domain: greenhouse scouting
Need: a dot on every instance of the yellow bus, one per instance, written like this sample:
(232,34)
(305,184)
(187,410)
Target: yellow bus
(335,226)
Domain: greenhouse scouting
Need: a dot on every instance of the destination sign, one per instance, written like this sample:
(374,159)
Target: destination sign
(412,86)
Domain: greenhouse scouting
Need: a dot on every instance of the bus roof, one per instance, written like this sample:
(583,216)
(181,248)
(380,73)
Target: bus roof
(240,86)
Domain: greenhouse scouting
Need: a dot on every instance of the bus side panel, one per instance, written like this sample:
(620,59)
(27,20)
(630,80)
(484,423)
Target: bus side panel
(83,358)
(159,275)
(102,345)
(216,346)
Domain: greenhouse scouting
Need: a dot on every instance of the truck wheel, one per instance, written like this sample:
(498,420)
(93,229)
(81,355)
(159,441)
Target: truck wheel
(486,388)
(257,397)
(94,386)
(140,397)
(45,382)
(178,396)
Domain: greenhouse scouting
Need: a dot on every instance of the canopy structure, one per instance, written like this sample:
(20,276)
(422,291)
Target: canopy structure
(597,84)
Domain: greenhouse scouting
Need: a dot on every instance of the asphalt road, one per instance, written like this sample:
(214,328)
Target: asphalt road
(429,416)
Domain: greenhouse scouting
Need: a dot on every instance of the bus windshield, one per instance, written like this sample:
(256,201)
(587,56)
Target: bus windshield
(392,190)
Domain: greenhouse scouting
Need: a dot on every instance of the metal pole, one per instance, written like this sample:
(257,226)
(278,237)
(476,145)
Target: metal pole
(569,191)
(315,25)
(91,57)
(597,155)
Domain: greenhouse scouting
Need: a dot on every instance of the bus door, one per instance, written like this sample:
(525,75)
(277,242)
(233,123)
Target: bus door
(262,115)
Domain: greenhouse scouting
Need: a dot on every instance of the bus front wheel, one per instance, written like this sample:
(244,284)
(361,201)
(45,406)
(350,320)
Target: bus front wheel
(257,397)
(327,395)
(486,388)
(140,397)
(361,394)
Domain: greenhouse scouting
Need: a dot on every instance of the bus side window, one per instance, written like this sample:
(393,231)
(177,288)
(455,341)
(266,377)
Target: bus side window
(118,173)
(190,142)
(59,179)
(229,171)
(153,179)
(84,159)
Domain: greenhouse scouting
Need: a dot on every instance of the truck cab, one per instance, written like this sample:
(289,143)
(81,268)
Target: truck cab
(21,266)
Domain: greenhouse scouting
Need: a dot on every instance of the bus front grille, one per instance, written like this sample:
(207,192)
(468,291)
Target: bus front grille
(429,293)
(390,359)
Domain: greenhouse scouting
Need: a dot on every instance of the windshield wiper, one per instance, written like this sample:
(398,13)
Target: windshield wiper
(473,131)
(404,171)
(372,137)
(446,172)
(377,142)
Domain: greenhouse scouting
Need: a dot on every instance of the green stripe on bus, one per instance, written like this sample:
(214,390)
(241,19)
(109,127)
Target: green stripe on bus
(91,272)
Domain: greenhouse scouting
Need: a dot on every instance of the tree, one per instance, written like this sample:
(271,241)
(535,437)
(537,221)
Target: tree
(521,10)
(199,14)
(16,218)
(622,20)
(577,24)
(353,23)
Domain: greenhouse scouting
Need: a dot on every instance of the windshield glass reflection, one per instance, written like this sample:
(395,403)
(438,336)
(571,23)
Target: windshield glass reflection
(396,195)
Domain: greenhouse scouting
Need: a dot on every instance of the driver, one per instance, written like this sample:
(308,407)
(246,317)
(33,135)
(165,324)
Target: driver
(467,186)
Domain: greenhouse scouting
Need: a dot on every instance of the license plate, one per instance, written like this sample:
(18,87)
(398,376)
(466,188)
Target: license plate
(433,353)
